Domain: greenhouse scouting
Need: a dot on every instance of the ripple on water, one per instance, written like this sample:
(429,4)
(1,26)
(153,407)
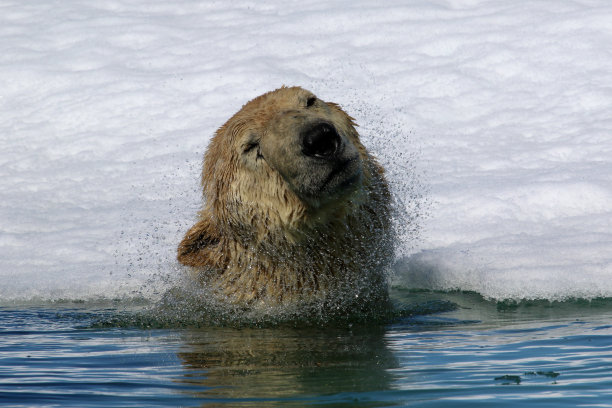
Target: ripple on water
(473,353)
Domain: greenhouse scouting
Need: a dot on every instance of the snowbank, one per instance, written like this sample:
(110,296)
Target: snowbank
(497,113)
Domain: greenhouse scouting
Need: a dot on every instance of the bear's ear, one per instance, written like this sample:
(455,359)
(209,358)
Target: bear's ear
(195,248)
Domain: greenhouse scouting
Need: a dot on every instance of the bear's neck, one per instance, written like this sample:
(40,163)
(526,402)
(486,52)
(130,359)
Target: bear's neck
(309,262)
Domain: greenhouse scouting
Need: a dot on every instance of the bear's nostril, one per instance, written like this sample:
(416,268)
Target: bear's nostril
(321,140)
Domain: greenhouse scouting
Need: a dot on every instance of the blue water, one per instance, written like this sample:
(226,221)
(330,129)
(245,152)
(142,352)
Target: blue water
(479,354)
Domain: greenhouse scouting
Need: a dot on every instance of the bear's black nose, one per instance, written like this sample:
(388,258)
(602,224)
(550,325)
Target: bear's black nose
(320,140)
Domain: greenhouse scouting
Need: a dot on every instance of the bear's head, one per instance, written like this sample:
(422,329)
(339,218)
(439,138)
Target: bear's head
(281,159)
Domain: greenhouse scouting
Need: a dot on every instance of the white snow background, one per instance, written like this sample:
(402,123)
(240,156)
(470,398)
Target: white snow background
(499,113)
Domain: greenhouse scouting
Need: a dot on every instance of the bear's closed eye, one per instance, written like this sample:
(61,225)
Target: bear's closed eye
(250,146)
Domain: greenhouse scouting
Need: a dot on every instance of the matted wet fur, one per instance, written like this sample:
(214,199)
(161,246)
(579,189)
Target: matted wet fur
(295,209)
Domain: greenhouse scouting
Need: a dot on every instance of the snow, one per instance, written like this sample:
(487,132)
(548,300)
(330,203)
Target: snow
(496,113)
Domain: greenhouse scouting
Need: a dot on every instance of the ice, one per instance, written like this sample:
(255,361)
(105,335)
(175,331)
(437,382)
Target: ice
(493,119)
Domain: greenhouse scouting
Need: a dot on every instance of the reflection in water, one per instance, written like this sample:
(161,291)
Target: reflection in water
(284,363)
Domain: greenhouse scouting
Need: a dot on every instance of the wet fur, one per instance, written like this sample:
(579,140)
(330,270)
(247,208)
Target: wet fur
(259,241)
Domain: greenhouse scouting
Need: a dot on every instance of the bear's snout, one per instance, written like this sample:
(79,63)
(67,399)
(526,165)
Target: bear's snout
(320,140)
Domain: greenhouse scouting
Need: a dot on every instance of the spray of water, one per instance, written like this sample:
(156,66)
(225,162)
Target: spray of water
(186,303)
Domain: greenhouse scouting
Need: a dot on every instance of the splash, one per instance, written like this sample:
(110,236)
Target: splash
(193,305)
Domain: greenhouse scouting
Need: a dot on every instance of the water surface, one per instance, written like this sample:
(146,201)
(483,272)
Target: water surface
(480,353)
